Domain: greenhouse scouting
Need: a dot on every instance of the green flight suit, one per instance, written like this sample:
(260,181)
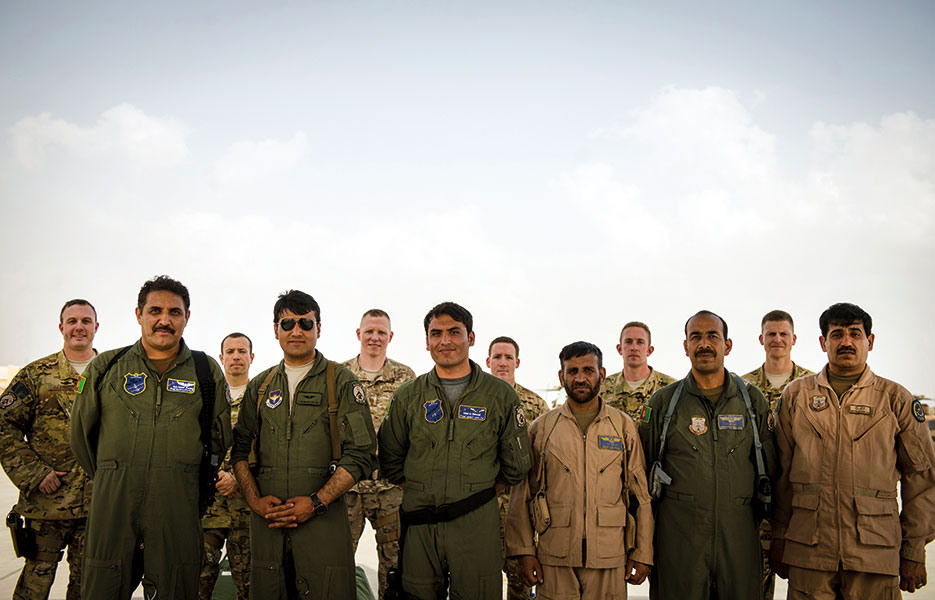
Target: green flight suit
(443,456)
(293,456)
(706,533)
(140,440)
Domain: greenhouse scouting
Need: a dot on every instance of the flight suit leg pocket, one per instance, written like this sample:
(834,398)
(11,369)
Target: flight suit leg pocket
(266,579)
(877,521)
(101,578)
(803,525)
(336,582)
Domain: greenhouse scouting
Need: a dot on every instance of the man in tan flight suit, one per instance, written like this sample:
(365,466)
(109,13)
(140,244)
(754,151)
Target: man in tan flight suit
(503,360)
(590,484)
(630,389)
(846,438)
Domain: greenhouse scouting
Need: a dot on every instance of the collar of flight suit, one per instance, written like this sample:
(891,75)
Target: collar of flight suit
(565,410)
(318,366)
(185,354)
(866,378)
(436,382)
(730,385)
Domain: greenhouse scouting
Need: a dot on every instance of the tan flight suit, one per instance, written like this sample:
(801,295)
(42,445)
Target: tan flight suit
(836,502)
(584,546)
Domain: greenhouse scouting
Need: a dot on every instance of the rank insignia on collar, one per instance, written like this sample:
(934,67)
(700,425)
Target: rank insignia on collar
(359,396)
(699,426)
(819,403)
(917,411)
(134,383)
(433,410)
(274,399)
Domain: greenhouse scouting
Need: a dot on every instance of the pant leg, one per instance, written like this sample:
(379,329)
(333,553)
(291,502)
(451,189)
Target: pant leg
(559,583)
(75,538)
(603,584)
(769,578)
(869,586)
(472,545)
(38,574)
(211,562)
(385,522)
(424,563)
(328,574)
(515,588)
(112,536)
(809,584)
(238,549)
(355,517)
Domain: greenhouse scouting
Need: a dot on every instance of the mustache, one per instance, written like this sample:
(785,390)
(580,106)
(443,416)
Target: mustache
(846,350)
(704,351)
(166,328)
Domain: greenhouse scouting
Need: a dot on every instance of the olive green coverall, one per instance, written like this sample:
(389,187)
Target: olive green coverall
(140,440)
(443,456)
(706,533)
(293,456)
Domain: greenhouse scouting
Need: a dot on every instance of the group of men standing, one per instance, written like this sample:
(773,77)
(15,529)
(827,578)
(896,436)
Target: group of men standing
(636,475)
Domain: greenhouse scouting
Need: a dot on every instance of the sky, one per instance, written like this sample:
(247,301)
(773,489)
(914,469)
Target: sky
(559,168)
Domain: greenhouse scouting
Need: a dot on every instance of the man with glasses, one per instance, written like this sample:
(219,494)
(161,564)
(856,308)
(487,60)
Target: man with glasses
(306,458)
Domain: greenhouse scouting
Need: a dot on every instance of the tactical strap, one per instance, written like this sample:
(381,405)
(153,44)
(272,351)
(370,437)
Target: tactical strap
(668,418)
(447,512)
(757,445)
(210,461)
(113,361)
(548,424)
(333,415)
(251,459)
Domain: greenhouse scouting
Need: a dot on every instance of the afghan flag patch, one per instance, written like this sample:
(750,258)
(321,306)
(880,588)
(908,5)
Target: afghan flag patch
(646,412)
(79,387)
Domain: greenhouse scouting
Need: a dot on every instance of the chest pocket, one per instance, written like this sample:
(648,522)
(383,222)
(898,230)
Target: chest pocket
(308,409)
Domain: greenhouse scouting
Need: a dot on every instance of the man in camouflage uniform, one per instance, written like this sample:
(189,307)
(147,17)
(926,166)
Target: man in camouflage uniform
(503,360)
(35,415)
(229,516)
(630,389)
(378,500)
(777,336)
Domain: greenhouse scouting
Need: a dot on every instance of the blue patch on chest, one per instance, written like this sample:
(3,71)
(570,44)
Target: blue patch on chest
(180,385)
(134,383)
(609,442)
(472,413)
(433,411)
(274,399)
(733,422)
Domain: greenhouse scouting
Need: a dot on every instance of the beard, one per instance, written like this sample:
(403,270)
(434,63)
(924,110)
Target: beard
(582,393)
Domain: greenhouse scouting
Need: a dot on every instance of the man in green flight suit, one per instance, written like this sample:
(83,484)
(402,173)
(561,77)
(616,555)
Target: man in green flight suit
(300,543)
(706,540)
(136,430)
(452,438)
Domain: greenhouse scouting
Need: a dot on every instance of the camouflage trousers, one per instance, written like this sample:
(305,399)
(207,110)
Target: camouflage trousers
(769,579)
(238,555)
(382,510)
(52,536)
(515,589)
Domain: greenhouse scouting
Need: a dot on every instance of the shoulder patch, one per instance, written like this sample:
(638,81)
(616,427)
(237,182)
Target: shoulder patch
(7,400)
(520,417)
(134,383)
(359,395)
(79,387)
(917,411)
(645,414)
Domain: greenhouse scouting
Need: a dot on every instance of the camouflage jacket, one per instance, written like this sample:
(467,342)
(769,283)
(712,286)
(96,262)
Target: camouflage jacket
(35,425)
(615,392)
(219,514)
(533,404)
(758,378)
(380,391)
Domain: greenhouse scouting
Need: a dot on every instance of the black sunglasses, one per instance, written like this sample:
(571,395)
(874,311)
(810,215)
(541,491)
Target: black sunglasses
(305,323)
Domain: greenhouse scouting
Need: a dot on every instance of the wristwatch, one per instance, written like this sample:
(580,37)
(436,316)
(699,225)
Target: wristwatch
(320,507)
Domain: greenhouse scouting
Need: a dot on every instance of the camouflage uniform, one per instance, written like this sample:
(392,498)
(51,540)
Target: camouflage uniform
(616,393)
(35,415)
(758,378)
(377,499)
(533,405)
(227,518)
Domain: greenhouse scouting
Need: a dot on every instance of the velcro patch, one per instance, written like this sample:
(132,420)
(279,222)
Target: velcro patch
(79,387)
(917,411)
(180,385)
(433,410)
(646,413)
(7,400)
(520,417)
(860,409)
(472,413)
(609,442)
(359,396)
(274,399)
(134,383)
(732,422)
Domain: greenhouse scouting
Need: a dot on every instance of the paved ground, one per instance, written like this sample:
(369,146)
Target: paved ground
(366,558)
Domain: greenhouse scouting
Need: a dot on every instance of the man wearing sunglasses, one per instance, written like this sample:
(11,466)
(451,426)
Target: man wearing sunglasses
(299,539)
(452,437)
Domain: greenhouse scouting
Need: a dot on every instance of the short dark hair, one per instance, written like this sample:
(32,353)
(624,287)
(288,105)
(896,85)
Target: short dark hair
(237,334)
(76,302)
(642,326)
(708,313)
(163,283)
(576,349)
(777,315)
(375,312)
(503,340)
(453,310)
(296,302)
(844,314)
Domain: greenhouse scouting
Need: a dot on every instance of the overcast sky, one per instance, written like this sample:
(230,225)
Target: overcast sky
(559,168)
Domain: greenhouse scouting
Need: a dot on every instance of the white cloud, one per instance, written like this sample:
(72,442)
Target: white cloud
(250,161)
(123,130)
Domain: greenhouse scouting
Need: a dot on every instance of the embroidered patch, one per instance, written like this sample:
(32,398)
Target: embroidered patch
(699,426)
(472,413)
(7,400)
(609,442)
(917,411)
(520,417)
(771,421)
(274,399)
(180,385)
(359,396)
(819,403)
(79,387)
(731,422)
(134,383)
(860,409)
(433,411)
(645,414)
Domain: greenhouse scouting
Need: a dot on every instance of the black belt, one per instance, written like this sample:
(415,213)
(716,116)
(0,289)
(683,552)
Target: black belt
(447,512)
